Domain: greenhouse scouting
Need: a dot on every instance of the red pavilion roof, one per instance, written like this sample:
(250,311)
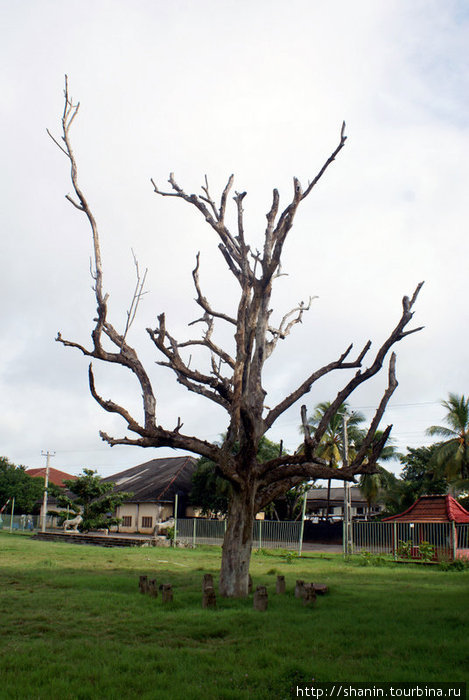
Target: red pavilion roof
(435,509)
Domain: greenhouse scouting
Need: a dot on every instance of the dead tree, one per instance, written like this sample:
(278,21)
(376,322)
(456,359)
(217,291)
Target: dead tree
(235,381)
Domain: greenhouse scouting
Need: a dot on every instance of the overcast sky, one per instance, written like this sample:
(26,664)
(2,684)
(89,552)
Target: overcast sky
(258,88)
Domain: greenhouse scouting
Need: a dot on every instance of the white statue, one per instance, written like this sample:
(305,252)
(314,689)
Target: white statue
(73,524)
(162,528)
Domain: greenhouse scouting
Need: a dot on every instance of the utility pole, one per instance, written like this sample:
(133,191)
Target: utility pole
(347,531)
(47,455)
(302,528)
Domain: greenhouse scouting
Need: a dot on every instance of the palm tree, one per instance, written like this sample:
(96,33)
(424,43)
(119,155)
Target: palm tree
(372,484)
(331,446)
(452,455)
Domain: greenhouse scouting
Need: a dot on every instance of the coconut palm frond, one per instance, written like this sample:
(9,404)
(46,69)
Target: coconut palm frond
(452,455)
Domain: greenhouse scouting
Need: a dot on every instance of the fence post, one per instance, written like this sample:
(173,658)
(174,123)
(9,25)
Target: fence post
(260,533)
(302,529)
(194,536)
(394,540)
(175,519)
(12,514)
(453,538)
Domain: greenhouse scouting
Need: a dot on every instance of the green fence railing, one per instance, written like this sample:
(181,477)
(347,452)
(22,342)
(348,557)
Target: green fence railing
(267,534)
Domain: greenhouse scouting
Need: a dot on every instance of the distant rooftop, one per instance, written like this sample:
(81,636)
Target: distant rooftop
(56,476)
(156,480)
(318,497)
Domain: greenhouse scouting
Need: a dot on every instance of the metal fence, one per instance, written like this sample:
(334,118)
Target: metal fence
(412,540)
(267,534)
(22,523)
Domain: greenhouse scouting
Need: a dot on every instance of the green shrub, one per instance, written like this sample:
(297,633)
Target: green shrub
(456,565)
(369,559)
(426,550)
(404,549)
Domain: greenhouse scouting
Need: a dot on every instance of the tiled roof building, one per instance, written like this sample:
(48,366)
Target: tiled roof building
(56,476)
(435,509)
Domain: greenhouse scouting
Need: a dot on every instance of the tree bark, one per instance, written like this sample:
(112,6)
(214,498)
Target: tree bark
(237,545)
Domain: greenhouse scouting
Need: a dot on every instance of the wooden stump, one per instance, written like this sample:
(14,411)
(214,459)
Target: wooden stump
(207,581)
(209,599)
(143,584)
(167,593)
(152,588)
(280,586)
(299,588)
(320,588)
(309,595)
(260,598)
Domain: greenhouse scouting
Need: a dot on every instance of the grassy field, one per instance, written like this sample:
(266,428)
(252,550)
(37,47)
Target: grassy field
(74,625)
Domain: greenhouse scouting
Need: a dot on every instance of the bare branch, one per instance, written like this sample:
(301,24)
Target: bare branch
(305,387)
(229,247)
(137,295)
(370,436)
(113,407)
(224,196)
(202,300)
(285,326)
(126,355)
(72,201)
(57,143)
(208,343)
(192,379)
(395,336)
(169,438)
(209,200)
(330,160)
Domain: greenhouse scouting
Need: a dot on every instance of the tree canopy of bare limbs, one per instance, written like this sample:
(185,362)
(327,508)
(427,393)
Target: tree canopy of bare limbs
(235,381)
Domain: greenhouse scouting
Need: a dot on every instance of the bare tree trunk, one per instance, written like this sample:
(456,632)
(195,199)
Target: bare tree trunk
(237,545)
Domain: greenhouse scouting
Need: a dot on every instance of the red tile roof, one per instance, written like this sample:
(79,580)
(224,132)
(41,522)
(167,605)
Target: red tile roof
(55,475)
(436,509)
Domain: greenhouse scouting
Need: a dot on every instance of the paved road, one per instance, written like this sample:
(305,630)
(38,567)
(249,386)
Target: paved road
(319,547)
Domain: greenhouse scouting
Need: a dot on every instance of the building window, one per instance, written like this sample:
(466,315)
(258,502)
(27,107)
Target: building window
(127,521)
(147,522)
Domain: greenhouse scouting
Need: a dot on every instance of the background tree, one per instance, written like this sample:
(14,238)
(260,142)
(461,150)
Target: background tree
(15,483)
(211,491)
(290,505)
(417,478)
(234,378)
(331,445)
(94,498)
(374,486)
(451,457)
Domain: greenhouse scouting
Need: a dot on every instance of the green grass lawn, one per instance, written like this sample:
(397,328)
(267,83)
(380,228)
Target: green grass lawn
(74,625)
